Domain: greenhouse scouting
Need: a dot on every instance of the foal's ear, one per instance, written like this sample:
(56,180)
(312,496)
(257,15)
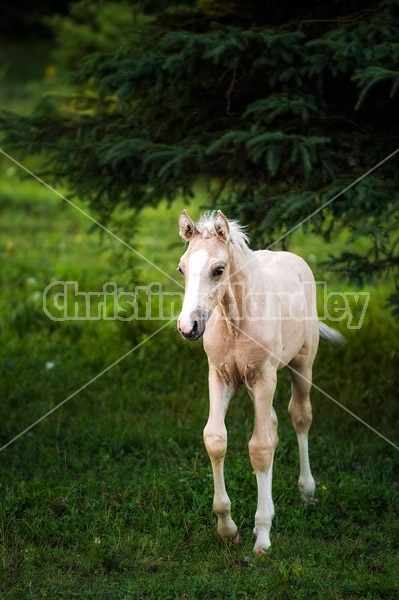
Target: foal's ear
(222,227)
(187,227)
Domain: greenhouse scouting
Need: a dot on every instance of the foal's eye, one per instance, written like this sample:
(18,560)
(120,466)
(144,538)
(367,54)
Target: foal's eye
(218,272)
(180,270)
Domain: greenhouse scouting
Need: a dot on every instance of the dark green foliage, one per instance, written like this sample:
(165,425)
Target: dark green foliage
(278,109)
(89,28)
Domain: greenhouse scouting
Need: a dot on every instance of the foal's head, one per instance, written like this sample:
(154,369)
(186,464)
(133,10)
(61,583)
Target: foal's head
(205,267)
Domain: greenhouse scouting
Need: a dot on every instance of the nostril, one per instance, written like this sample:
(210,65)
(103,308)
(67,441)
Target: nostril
(195,327)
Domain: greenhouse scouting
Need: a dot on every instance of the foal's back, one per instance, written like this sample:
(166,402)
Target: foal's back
(291,275)
(295,285)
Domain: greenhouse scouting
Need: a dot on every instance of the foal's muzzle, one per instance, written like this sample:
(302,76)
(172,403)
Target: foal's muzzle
(192,329)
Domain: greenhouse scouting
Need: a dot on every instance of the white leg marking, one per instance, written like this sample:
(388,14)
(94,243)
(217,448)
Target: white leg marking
(306,481)
(261,449)
(300,410)
(265,511)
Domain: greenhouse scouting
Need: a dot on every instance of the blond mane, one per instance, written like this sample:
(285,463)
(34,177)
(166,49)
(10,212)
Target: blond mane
(206,225)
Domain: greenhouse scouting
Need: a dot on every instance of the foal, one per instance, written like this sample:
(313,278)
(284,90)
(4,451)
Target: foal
(257,313)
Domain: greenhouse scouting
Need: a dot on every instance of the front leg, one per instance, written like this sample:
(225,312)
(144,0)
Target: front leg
(215,438)
(261,449)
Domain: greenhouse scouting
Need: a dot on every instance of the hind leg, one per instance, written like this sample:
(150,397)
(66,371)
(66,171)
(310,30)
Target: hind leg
(300,410)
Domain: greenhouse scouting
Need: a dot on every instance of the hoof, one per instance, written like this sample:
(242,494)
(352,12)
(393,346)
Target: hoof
(236,538)
(262,543)
(307,496)
(228,529)
(260,550)
(307,490)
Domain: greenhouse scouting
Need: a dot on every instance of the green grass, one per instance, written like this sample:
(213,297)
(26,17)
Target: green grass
(110,496)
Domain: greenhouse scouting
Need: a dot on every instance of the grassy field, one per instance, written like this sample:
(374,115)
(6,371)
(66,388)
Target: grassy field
(110,495)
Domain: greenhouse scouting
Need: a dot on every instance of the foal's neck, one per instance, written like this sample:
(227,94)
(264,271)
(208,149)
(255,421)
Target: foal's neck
(245,280)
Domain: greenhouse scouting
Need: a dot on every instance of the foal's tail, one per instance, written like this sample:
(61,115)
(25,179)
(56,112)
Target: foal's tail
(330,335)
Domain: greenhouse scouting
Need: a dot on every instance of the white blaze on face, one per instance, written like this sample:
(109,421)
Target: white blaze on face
(195,266)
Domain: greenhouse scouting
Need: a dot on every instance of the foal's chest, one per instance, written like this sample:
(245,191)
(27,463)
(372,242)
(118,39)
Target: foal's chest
(237,358)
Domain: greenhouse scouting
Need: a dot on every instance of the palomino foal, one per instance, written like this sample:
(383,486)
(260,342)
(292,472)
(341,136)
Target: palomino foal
(257,313)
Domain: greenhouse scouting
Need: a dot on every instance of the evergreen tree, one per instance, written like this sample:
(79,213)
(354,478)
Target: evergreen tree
(278,108)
